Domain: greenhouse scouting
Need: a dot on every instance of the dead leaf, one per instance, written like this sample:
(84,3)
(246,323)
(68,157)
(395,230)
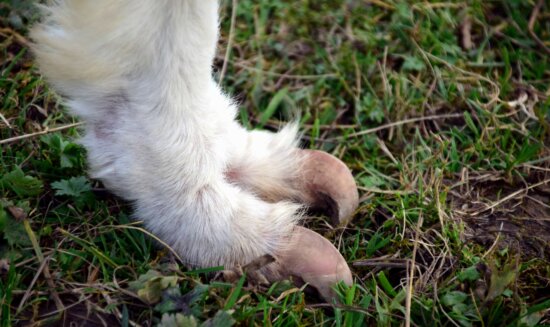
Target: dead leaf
(18,213)
(501,279)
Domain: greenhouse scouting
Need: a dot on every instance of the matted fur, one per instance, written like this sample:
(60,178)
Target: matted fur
(160,133)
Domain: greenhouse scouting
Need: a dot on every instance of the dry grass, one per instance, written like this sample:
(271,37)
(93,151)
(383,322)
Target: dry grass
(441,109)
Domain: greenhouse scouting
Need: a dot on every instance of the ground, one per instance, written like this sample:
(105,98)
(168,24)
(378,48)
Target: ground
(441,110)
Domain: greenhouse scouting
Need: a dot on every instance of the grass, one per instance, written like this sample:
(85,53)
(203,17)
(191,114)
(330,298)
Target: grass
(441,109)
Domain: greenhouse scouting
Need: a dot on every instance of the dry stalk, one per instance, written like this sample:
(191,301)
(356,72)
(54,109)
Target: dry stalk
(234,5)
(45,131)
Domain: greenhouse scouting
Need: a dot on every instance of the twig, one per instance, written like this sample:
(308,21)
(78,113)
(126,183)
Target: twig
(5,121)
(495,242)
(229,41)
(509,197)
(494,97)
(144,231)
(466,31)
(387,151)
(339,126)
(377,190)
(45,131)
(18,37)
(343,307)
(531,26)
(539,160)
(33,281)
(284,75)
(384,263)
(477,307)
(437,5)
(408,300)
(394,124)
(43,261)
(53,313)
(382,4)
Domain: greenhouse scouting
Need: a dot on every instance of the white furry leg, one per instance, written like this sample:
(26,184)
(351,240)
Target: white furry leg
(217,223)
(161,134)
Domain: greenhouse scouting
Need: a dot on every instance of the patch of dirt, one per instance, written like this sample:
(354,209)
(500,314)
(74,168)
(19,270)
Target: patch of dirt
(503,214)
(75,312)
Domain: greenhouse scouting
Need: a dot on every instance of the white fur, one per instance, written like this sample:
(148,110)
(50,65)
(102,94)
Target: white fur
(159,131)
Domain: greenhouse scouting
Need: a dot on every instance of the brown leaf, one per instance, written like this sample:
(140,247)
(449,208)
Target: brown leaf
(17,213)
